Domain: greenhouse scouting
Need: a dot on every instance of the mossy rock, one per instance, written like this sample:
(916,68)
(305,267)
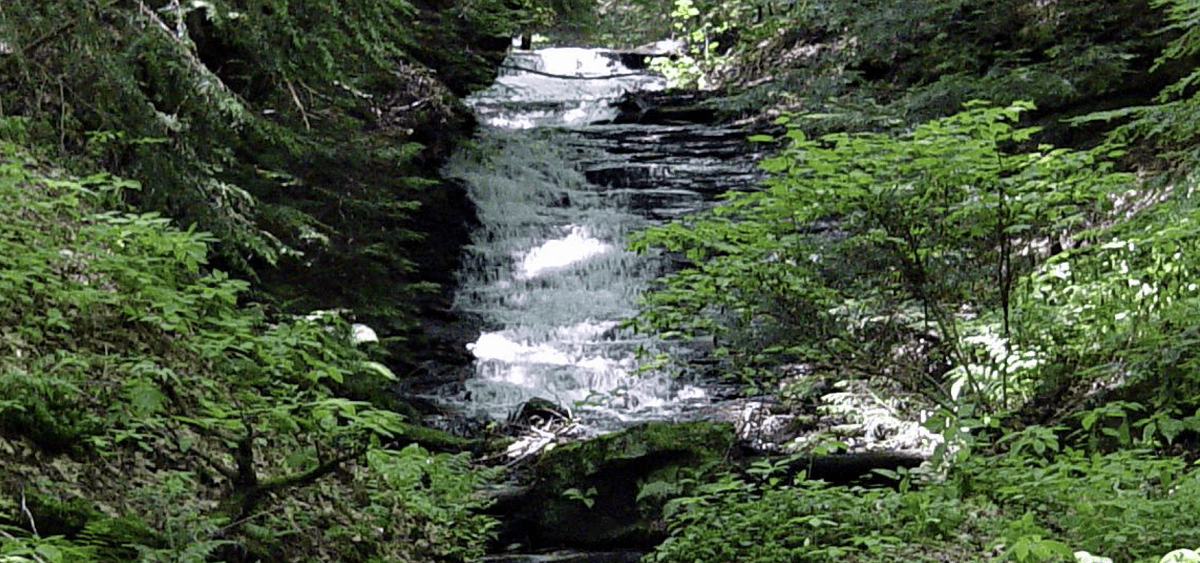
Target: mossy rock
(54,516)
(78,520)
(609,491)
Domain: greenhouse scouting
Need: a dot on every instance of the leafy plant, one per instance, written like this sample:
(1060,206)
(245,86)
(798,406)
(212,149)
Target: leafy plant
(1036,502)
(859,241)
(300,137)
(123,348)
(588,498)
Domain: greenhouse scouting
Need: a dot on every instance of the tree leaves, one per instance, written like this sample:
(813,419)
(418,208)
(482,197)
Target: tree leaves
(917,219)
(118,347)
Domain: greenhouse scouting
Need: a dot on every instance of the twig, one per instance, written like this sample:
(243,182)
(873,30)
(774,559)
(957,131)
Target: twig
(296,99)
(256,491)
(313,474)
(241,521)
(28,514)
(312,92)
(414,105)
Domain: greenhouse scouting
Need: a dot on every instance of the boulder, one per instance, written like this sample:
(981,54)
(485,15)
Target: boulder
(609,491)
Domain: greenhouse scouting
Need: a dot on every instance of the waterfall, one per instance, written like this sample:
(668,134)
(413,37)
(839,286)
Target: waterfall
(592,78)
(557,193)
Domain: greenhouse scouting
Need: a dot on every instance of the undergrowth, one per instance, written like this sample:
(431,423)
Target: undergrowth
(148,412)
(1045,302)
(1036,502)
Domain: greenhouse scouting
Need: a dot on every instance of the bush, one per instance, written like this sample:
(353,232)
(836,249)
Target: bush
(124,350)
(1032,504)
(862,243)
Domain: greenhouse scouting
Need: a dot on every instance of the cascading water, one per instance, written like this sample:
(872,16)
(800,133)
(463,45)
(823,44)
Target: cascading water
(547,272)
(560,86)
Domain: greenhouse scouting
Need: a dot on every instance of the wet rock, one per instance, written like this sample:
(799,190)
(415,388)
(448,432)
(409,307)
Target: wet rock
(537,411)
(664,108)
(664,171)
(853,468)
(609,491)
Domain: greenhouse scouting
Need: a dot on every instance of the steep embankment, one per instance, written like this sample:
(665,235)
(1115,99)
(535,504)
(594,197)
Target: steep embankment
(873,65)
(1045,303)
(148,413)
(179,180)
(307,139)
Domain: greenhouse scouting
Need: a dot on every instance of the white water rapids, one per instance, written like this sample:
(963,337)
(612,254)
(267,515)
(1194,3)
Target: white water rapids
(581,97)
(547,270)
(547,274)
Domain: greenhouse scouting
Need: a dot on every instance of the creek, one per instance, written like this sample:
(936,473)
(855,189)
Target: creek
(559,183)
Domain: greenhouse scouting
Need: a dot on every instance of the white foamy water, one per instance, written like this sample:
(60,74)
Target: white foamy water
(569,86)
(574,367)
(548,272)
(561,252)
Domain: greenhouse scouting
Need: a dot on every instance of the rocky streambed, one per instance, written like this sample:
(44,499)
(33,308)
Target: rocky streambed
(566,168)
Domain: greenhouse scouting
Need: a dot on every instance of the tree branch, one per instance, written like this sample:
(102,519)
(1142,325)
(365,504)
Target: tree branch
(193,63)
(251,497)
(310,476)
(300,106)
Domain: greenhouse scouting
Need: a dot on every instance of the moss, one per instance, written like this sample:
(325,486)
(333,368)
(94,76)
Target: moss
(619,483)
(694,441)
(437,440)
(55,516)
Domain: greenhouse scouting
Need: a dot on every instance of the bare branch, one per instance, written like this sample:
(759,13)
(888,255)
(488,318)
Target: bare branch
(25,510)
(253,495)
(300,106)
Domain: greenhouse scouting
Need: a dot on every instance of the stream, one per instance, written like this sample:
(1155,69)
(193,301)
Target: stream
(558,187)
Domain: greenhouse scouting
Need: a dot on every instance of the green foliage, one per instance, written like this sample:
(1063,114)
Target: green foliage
(555,17)
(1005,270)
(688,70)
(414,505)
(587,498)
(1169,124)
(625,23)
(738,520)
(122,347)
(1127,505)
(928,233)
(53,549)
(1036,502)
(1122,307)
(301,136)
(908,60)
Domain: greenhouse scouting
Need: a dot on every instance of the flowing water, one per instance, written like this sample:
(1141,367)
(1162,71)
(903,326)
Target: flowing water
(558,190)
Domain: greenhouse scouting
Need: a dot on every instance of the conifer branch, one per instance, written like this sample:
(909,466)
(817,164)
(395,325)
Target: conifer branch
(61,29)
(194,64)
